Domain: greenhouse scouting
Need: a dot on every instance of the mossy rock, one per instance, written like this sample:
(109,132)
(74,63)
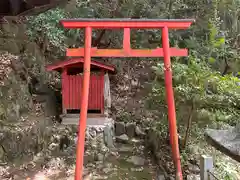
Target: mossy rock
(2,153)
(11,46)
(10,28)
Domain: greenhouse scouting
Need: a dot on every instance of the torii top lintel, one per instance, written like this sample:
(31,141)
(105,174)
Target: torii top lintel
(127,23)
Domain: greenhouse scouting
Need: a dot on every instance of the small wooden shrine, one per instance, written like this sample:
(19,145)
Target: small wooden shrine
(72,83)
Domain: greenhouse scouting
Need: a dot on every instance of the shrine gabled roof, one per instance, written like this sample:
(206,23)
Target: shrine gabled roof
(74,62)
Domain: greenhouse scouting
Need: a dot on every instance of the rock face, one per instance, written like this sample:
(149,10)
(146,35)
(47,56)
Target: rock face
(25,141)
(20,142)
(14,96)
(49,98)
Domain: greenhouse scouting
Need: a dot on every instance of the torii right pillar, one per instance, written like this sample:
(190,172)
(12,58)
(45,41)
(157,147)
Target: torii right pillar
(170,102)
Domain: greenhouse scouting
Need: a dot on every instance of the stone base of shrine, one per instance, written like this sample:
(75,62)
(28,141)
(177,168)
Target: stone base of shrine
(96,126)
(92,119)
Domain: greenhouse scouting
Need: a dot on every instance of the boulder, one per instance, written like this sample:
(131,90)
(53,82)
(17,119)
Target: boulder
(226,141)
(119,128)
(194,169)
(125,149)
(130,129)
(160,177)
(193,177)
(122,139)
(108,136)
(99,157)
(138,161)
(139,132)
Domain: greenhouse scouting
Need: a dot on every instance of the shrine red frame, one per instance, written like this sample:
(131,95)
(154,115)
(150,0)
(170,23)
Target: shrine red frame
(87,52)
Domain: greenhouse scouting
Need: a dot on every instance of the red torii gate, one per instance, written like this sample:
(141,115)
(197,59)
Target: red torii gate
(87,52)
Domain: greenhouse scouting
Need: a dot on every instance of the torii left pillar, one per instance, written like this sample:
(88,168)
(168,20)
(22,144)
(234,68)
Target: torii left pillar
(87,52)
(84,104)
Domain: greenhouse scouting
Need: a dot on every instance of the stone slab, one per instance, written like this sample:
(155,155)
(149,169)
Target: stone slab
(226,141)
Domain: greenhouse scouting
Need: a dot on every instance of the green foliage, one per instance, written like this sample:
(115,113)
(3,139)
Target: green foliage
(47,25)
(216,101)
(197,83)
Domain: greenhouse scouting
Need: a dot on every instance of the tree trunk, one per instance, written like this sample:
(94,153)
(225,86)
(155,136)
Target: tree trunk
(189,124)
